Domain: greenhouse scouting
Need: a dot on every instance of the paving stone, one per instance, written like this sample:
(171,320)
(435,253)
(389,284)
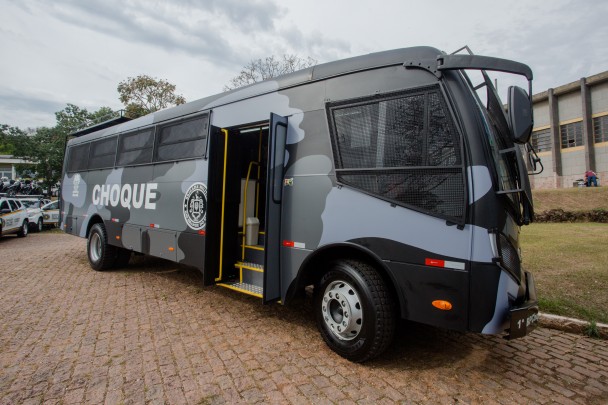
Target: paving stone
(151,333)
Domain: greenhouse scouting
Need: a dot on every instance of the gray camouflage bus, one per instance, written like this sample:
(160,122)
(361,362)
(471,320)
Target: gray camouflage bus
(384,181)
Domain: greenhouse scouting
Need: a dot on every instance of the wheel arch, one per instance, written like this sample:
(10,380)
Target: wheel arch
(316,264)
(95,219)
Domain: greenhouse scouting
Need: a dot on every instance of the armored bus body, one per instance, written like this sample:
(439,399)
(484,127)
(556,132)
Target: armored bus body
(382,180)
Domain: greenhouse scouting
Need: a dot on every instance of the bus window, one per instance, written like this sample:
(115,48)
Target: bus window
(183,140)
(103,153)
(404,149)
(135,148)
(78,158)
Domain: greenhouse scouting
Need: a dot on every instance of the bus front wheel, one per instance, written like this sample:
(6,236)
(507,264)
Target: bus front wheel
(101,254)
(354,310)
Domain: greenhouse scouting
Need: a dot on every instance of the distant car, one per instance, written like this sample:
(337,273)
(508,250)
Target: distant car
(13,217)
(34,213)
(50,213)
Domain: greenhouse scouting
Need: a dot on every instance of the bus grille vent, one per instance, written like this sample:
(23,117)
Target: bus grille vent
(509,257)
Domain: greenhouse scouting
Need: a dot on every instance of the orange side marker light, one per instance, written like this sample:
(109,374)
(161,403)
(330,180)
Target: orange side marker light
(443,305)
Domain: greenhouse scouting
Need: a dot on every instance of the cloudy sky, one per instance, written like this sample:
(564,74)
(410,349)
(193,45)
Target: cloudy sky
(77,51)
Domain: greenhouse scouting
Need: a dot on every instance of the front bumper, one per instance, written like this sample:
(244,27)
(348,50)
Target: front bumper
(524,317)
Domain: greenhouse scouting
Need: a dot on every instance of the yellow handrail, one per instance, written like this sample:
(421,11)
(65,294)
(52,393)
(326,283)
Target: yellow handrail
(257,186)
(245,206)
(225,132)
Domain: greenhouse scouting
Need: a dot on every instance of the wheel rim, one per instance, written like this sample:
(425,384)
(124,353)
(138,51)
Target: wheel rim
(39,225)
(95,247)
(25,228)
(342,310)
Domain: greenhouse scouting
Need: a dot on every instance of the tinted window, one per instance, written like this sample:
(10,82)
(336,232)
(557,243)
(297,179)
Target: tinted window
(4,205)
(403,148)
(135,148)
(103,153)
(78,158)
(14,205)
(182,140)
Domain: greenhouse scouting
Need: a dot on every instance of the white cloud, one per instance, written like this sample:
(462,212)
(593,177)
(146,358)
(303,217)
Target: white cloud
(71,51)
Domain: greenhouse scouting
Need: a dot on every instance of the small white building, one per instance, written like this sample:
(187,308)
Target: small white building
(7,166)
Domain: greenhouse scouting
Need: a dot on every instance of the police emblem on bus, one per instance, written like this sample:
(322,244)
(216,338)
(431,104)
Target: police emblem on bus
(76,182)
(195,206)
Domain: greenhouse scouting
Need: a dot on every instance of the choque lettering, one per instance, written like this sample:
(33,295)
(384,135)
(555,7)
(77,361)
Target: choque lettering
(127,195)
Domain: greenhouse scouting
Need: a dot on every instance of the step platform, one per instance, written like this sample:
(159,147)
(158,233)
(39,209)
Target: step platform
(245,288)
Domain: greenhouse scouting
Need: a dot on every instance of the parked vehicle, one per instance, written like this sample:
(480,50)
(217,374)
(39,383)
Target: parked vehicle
(384,181)
(34,212)
(13,217)
(50,213)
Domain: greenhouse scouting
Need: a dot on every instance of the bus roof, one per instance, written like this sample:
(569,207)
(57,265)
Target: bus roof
(300,77)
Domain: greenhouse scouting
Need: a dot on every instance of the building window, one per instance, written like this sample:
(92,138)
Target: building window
(571,134)
(541,140)
(600,129)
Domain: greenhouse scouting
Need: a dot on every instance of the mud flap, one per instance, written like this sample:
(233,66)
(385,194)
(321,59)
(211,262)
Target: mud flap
(524,318)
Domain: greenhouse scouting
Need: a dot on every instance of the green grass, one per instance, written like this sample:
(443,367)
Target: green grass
(571,199)
(570,266)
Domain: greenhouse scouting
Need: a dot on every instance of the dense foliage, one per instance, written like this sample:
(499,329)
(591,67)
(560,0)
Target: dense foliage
(44,147)
(143,94)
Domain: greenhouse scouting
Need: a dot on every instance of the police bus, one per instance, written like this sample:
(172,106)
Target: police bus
(384,181)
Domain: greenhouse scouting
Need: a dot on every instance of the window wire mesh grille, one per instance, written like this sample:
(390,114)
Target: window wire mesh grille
(135,148)
(396,137)
(600,129)
(439,190)
(79,157)
(183,140)
(103,153)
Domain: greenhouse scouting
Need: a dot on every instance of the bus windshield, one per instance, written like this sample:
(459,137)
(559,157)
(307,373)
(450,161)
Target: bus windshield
(505,154)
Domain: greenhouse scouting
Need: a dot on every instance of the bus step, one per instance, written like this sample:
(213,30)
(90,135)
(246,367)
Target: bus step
(249,266)
(244,288)
(253,254)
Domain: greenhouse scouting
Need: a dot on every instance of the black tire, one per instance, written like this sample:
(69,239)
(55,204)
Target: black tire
(122,257)
(101,255)
(354,311)
(24,229)
(39,225)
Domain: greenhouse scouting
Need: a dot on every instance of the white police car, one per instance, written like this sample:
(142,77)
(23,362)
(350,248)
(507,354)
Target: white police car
(13,217)
(50,213)
(34,212)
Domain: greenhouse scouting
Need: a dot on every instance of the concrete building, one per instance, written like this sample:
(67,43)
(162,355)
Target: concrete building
(8,166)
(571,132)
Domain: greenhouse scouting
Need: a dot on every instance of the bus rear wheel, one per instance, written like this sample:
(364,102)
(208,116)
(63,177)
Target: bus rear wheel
(354,311)
(101,254)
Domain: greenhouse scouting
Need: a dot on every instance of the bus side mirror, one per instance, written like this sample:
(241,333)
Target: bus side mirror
(520,115)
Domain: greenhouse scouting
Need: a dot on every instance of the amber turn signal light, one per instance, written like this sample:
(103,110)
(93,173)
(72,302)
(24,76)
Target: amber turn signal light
(443,305)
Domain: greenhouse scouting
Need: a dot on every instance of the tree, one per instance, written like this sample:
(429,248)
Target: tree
(143,94)
(258,70)
(44,146)
(8,136)
(72,118)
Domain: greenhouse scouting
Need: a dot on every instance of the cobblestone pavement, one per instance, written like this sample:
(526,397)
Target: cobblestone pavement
(151,333)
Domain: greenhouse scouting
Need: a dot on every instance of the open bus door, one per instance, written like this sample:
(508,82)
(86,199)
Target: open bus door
(274,196)
(219,244)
